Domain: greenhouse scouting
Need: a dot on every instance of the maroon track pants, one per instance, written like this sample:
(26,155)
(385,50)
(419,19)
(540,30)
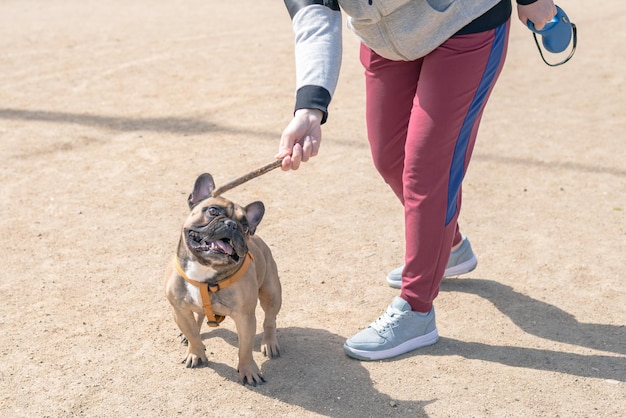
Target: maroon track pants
(422,119)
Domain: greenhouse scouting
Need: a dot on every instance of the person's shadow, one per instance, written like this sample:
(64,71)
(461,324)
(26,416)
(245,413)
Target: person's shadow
(545,321)
(314,373)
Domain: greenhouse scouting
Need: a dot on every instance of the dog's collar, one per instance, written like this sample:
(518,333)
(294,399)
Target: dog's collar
(206,288)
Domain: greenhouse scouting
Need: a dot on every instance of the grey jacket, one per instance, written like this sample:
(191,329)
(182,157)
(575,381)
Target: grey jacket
(395,29)
(405,30)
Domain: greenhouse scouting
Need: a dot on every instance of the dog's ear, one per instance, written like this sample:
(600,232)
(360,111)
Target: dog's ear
(202,189)
(254,214)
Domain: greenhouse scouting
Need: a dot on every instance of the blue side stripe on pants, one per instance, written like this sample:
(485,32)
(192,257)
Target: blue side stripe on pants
(457,169)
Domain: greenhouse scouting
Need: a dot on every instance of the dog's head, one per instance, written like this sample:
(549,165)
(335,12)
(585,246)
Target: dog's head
(217,230)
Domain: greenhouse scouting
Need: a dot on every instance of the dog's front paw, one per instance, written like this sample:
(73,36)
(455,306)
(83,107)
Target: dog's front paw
(250,374)
(195,360)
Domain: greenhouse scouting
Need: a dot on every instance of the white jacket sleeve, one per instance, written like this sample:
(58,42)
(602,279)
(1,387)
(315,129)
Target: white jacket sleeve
(318,47)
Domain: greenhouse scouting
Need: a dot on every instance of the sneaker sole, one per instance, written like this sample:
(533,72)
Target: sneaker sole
(463,268)
(396,284)
(421,341)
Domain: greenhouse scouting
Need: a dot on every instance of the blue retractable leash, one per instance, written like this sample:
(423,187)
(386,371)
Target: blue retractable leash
(556,36)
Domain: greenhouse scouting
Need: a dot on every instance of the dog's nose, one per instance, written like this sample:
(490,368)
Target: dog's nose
(230,224)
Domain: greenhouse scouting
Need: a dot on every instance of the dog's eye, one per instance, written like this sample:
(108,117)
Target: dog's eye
(212,211)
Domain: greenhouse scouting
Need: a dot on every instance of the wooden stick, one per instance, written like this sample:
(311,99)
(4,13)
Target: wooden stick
(238,181)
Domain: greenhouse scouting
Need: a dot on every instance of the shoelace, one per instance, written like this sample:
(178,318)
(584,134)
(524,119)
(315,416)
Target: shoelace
(387,319)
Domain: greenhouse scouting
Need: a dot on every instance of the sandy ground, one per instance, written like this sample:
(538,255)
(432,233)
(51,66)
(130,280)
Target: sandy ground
(109,111)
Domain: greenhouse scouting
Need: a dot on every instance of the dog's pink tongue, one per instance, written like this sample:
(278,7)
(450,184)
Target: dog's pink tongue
(223,246)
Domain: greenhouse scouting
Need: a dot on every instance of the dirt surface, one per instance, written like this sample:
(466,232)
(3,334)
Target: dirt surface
(109,111)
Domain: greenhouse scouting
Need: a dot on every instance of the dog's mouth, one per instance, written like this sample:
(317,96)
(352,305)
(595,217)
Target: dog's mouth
(201,243)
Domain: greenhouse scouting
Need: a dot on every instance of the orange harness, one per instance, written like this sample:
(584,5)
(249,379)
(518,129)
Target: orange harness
(206,288)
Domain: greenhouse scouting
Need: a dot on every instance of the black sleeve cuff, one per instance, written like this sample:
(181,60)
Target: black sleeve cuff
(313,97)
(294,6)
(525,2)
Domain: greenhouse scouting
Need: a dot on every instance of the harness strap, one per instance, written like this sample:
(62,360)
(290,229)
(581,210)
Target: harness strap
(206,289)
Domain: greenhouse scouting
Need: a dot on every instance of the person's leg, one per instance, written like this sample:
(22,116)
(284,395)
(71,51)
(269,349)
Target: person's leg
(456,241)
(455,83)
(390,89)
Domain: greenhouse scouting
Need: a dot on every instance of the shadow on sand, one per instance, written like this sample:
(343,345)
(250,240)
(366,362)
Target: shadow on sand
(314,373)
(544,321)
(343,387)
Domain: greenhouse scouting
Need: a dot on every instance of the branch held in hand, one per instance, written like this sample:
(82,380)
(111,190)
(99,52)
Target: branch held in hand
(247,177)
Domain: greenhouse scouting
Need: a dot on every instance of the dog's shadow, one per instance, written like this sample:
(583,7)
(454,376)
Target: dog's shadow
(314,373)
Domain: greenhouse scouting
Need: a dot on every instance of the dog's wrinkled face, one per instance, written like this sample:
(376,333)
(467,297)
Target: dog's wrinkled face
(216,229)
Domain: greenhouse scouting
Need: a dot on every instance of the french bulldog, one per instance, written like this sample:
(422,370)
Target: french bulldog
(220,258)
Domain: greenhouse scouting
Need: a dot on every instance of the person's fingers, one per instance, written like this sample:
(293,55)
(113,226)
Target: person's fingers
(315,147)
(296,156)
(311,148)
(286,164)
(284,148)
(307,149)
(288,139)
(539,13)
(300,140)
(537,23)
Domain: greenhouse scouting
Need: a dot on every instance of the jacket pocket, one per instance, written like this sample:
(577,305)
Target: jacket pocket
(407,32)
(440,5)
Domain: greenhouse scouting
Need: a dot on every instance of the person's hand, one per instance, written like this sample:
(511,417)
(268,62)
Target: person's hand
(539,12)
(300,139)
